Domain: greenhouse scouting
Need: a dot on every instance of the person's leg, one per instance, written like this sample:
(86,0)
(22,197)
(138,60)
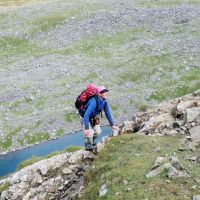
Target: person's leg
(89,140)
(97,128)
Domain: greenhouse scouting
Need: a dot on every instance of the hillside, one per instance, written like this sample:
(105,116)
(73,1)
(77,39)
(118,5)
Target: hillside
(154,156)
(145,52)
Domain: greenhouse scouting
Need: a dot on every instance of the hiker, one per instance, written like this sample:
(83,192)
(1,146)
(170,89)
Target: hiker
(91,115)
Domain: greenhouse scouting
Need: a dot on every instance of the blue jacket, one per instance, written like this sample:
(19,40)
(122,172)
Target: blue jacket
(92,110)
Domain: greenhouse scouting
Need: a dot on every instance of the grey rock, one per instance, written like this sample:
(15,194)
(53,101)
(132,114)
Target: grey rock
(198,159)
(128,189)
(193,114)
(192,159)
(32,98)
(158,170)
(183,105)
(157,149)
(128,126)
(66,171)
(197,197)
(195,134)
(3,195)
(175,163)
(103,190)
(125,182)
(118,193)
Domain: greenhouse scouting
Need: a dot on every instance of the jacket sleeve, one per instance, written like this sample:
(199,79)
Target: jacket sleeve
(108,114)
(90,109)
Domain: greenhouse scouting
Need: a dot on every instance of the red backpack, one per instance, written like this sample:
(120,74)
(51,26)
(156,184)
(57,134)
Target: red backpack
(84,97)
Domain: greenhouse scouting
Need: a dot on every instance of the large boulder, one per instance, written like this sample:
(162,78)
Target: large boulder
(183,105)
(171,166)
(193,114)
(195,134)
(197,197)
(158,122)
(50,178)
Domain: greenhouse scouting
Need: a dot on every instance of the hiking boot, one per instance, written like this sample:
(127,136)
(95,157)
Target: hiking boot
(89,147)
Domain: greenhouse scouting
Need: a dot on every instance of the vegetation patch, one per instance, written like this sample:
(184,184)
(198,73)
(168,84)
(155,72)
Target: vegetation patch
(6,143)
(128,158)
(4,187)
(37,137)
(60,132)
(52,20)
(101,45)
(13,46)
(70,117)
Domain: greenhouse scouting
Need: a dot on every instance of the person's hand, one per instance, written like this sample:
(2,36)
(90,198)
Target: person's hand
(115,128)
(86,133)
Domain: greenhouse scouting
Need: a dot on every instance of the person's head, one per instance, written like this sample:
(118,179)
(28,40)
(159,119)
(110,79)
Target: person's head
(103,92)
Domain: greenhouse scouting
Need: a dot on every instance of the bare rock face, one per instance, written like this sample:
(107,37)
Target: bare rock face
(197,197)
(193,114)
(128,126)
(180,116)
(103,190)
(183,105)
(52,178)
(195,134)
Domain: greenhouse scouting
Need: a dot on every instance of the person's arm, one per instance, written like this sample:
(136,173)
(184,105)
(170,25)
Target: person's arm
(108,114)
(91,107)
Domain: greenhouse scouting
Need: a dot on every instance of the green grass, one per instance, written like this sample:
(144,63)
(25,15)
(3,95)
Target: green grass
(13,46)
(36,159)
(52,20)
(187,83)
(16,130)
(90,76)
(6,143)
(142,107)
(192,75)
(60,132)
(70,117)
(113,107)
(40,103)
(4,187)
(130,157)
(37,137)
(101,45)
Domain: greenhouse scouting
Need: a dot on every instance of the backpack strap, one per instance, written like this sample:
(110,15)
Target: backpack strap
(97,101)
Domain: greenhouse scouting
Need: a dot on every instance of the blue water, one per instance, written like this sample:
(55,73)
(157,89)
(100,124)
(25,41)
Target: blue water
(10,161)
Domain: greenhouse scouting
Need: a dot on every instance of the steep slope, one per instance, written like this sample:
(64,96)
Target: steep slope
(154,156)
(144,51)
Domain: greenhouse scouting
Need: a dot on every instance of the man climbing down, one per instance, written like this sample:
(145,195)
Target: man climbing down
(91,112)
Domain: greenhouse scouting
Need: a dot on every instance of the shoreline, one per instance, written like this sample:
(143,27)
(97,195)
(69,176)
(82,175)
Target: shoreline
(4,153)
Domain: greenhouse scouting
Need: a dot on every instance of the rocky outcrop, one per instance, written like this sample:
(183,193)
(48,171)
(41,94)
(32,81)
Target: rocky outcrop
(171,166)
(59,177)
(180,116)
